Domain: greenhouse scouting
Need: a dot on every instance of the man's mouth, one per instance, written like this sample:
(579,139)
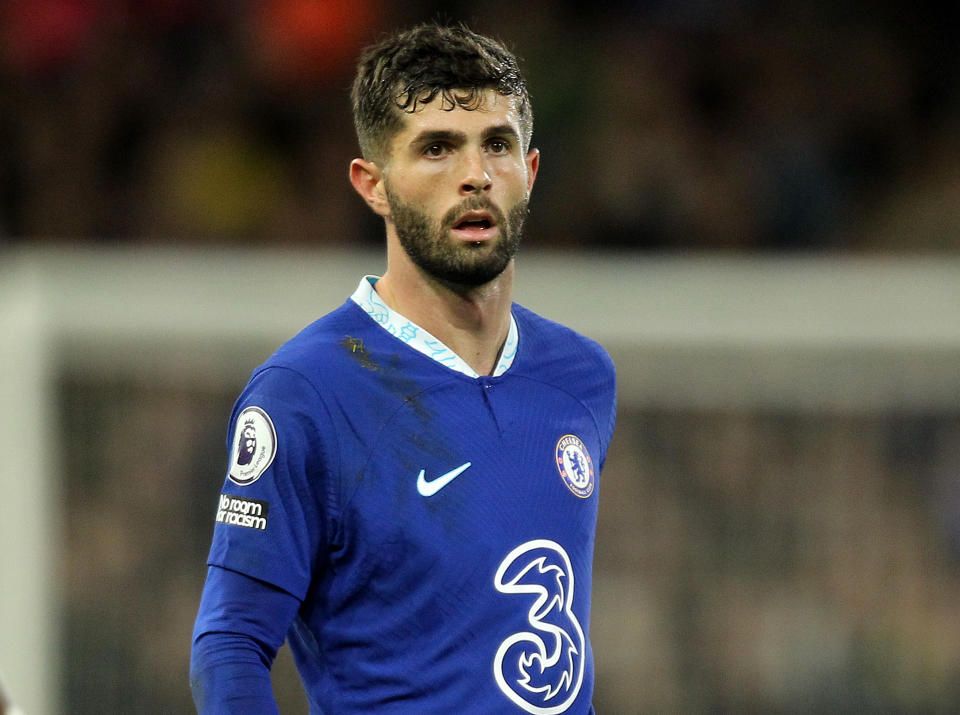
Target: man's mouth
(475,226)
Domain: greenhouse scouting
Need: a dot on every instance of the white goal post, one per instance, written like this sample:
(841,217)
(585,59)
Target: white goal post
(818,333)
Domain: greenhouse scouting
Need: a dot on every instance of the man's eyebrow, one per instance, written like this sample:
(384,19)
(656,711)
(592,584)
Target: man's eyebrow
(501,130)
(428,136)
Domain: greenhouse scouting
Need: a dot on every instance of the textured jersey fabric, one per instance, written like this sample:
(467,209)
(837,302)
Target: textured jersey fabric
(437,526)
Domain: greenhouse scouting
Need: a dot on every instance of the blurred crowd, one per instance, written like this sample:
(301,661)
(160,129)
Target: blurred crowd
(748,560)
(663,125)
(779,561)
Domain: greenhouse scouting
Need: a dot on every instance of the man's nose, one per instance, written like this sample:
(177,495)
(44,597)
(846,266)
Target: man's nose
(476,178)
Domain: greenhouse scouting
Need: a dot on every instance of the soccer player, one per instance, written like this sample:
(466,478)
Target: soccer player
(412,487)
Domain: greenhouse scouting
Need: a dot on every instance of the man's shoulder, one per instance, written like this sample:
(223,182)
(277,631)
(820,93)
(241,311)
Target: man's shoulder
(553,354)
(547,340)
(323,345)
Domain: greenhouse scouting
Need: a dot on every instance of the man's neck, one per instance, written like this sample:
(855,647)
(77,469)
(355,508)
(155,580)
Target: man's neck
(471,321)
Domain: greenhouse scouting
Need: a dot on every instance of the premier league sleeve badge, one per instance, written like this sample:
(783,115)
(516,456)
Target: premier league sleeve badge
(254,446)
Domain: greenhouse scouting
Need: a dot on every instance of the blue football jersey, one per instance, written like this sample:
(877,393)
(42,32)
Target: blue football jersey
(438,526)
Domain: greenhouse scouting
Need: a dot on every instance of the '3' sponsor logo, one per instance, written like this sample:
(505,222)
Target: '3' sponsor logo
(541,669)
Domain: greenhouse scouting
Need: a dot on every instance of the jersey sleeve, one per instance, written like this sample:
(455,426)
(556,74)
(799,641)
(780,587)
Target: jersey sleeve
(597,381)
(607,404)
(274,510)
(240,626)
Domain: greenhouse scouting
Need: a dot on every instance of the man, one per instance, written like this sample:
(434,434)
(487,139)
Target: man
(418,513)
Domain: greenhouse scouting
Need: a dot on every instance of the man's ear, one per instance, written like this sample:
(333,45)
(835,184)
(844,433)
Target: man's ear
(533,166)
(367,180)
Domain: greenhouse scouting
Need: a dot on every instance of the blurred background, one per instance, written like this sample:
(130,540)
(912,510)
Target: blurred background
(756,209)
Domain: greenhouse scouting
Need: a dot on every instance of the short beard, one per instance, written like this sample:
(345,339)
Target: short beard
(455,262)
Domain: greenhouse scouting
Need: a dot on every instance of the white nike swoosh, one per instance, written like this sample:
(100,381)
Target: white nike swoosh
(428,489)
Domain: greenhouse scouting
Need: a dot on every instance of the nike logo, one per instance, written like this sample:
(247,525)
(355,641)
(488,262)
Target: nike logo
(428,489)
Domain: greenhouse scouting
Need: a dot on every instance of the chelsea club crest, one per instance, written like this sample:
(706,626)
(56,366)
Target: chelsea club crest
(575,465)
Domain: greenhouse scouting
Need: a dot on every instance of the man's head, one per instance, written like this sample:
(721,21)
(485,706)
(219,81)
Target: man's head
(444,123)
(412,68)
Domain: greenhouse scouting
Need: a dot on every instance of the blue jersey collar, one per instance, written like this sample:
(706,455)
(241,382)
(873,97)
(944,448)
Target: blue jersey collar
(419,339)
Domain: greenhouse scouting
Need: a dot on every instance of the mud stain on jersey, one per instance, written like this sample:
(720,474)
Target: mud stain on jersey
(359,352)
(406,389)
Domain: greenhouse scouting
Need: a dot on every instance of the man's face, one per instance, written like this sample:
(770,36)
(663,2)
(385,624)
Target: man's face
(458,183)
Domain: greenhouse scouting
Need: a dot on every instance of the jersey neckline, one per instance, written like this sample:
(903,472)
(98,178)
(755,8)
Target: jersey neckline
(421,340)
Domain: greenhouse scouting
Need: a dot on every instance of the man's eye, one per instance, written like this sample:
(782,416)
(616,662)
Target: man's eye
(435,150)
(498,146)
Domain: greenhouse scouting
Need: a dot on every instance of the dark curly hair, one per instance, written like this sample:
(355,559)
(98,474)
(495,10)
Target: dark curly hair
(411,68)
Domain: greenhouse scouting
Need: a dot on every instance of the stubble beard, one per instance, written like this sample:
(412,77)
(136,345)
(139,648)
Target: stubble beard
(457,262)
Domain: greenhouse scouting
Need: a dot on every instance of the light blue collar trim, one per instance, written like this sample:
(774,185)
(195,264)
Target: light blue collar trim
(419,339)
